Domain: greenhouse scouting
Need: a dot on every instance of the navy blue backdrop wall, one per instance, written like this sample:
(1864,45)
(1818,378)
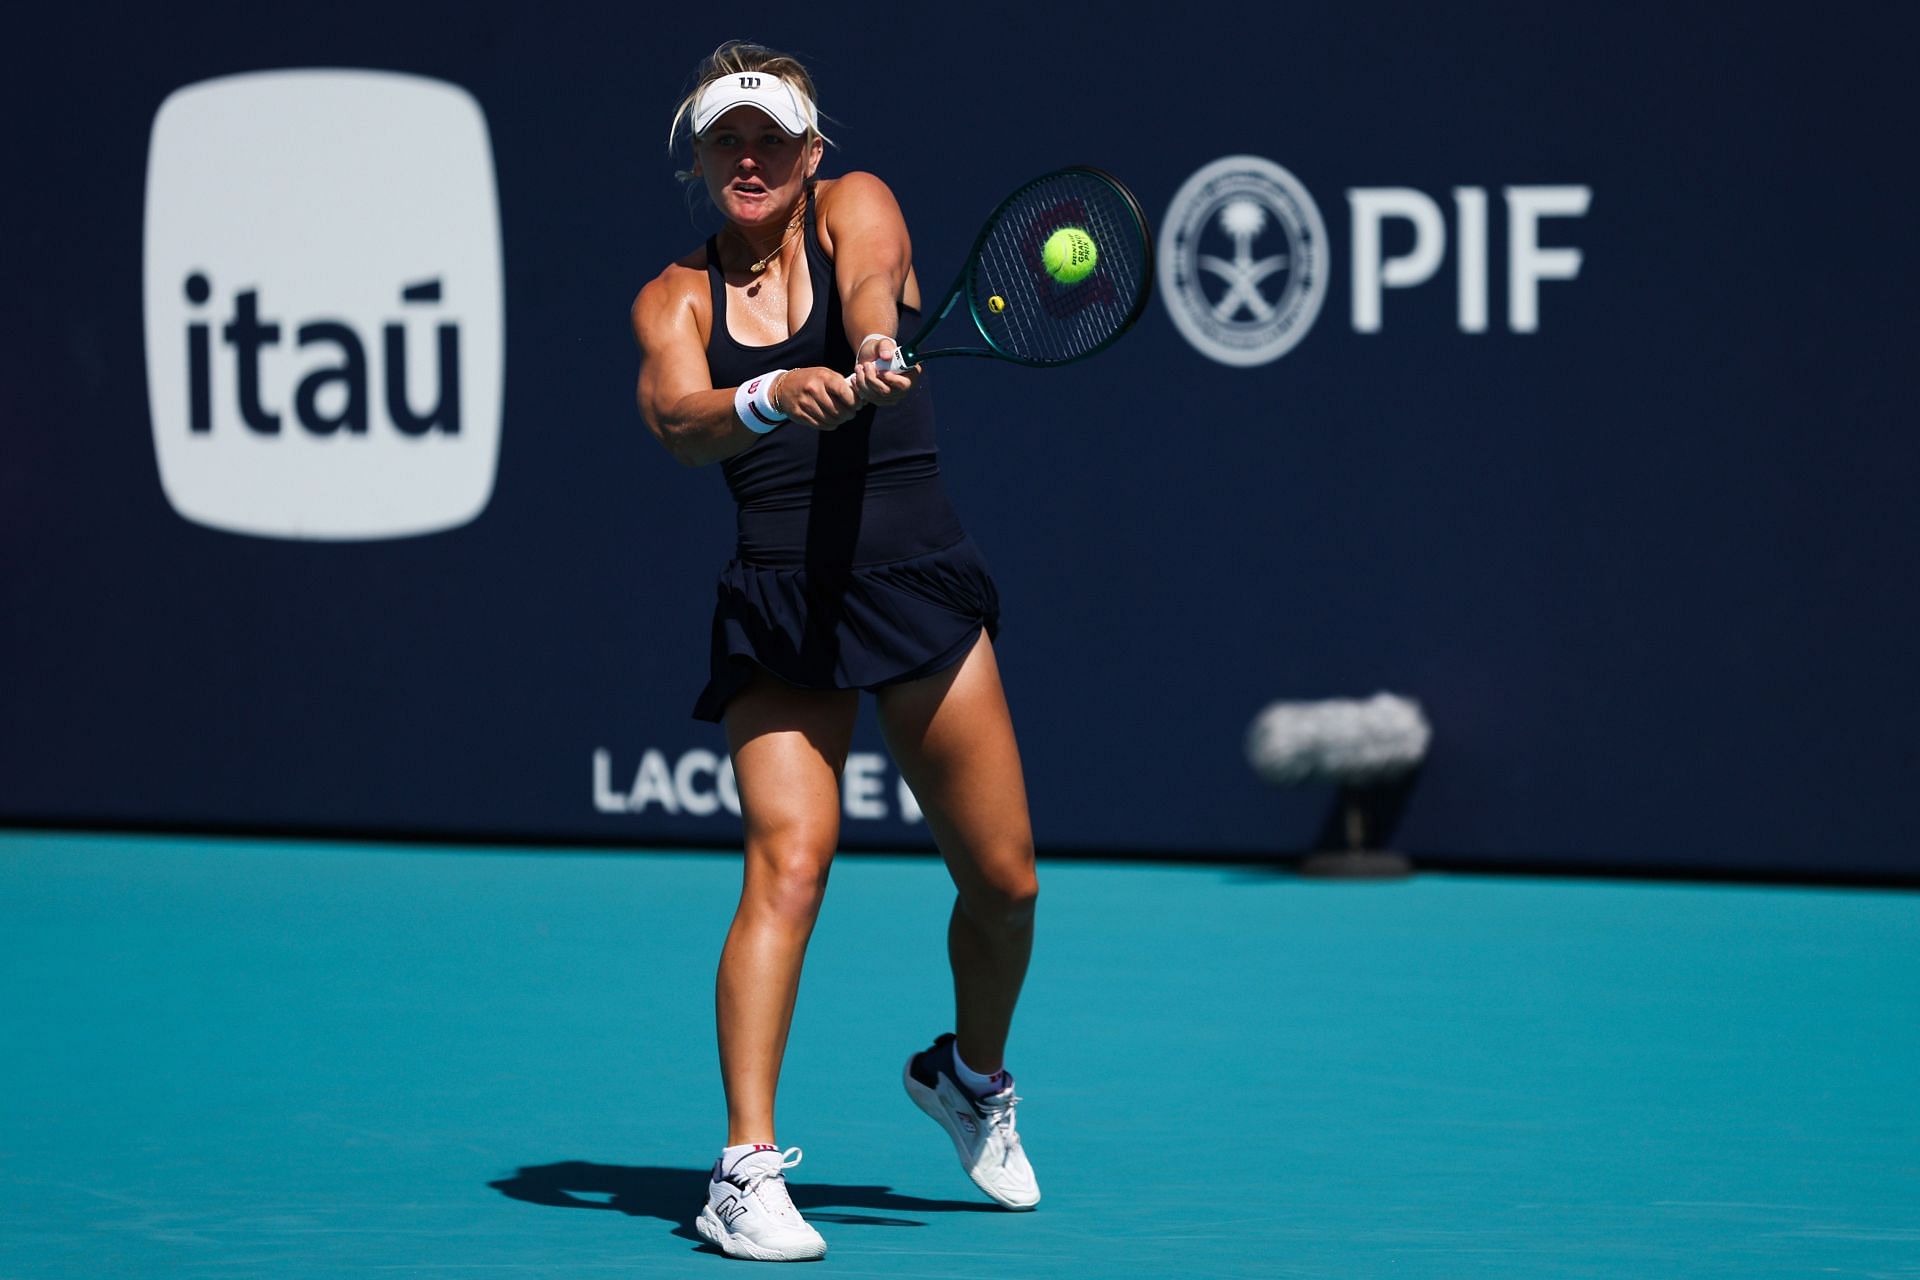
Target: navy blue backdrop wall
(1619,484)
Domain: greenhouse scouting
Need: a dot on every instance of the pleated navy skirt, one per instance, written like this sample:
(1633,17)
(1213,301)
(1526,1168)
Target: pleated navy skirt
(847,626)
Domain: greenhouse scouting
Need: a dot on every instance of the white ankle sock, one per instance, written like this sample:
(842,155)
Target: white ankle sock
(975,1083)
(729,1154)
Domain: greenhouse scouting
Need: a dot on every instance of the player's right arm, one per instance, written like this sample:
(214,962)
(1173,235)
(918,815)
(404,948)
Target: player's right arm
(688,414)
(694,419)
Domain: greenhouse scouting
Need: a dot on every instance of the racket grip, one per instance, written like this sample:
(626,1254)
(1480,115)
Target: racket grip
(885,364)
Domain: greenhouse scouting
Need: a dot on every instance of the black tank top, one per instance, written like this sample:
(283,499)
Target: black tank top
(866,493)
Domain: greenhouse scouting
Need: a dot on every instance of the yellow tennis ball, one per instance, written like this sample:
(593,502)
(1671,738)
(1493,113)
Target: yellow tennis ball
(996,304)
(1069,255)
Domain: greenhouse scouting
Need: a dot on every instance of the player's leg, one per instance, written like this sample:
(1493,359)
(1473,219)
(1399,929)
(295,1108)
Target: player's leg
(788,748)
(952,737)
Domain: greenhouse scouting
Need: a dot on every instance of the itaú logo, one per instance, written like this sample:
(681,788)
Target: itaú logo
(324,331)
(1245,256)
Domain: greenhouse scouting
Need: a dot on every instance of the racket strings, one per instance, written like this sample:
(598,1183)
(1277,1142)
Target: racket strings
(1040,320)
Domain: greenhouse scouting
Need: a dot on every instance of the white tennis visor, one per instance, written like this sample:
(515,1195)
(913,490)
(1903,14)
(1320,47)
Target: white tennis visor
(791,109)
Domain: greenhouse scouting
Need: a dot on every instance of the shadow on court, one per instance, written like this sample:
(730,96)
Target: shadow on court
(675,1195)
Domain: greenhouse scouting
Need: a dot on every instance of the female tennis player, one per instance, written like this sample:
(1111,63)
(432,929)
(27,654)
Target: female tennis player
(767,350)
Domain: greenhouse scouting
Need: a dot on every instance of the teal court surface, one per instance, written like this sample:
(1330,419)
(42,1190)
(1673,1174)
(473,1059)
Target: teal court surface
(225,1058)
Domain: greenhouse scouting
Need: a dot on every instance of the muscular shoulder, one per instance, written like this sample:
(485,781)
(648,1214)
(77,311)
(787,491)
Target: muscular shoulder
(674,302)
(852,188)
(857,201)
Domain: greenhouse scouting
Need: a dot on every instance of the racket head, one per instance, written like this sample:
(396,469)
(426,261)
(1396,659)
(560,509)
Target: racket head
(1040,321)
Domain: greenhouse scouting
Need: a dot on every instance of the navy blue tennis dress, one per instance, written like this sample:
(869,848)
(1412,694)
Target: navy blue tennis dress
(852,570)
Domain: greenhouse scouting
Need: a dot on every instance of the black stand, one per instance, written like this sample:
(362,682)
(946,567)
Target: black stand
(1357,864)
(1361,815)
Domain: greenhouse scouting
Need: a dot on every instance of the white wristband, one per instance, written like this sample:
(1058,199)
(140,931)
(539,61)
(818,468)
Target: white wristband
(753,403)
(884,365)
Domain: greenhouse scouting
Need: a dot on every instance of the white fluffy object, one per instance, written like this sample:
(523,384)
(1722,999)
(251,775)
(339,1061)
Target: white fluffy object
(1342,740)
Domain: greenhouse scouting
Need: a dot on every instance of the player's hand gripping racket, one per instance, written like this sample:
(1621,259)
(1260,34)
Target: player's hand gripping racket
(1060,270)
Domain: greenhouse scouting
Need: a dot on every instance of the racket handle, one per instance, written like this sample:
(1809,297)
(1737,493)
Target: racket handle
(885,364)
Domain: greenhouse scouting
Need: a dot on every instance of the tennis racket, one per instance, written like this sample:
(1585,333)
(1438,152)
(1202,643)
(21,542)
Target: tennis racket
(1014,307)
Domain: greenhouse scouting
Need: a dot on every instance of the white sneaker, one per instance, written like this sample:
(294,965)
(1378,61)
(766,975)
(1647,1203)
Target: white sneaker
(981,1128)
(749,1214)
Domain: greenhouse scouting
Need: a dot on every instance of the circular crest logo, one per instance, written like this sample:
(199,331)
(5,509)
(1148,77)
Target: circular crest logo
(1243,260)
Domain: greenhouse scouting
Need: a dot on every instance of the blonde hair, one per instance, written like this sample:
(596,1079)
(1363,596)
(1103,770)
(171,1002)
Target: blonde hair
(735,57)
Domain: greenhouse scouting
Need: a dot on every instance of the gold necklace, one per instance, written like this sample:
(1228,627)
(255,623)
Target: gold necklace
(757,267)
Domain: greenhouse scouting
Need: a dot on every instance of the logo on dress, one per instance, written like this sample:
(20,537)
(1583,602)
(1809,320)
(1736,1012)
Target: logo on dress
(1243,260)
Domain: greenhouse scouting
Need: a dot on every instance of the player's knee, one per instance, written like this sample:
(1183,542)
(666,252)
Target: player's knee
(1006,891)
(788,874)
(1018,901)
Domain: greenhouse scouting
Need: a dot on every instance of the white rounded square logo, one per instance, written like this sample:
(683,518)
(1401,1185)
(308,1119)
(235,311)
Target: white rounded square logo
(326,342)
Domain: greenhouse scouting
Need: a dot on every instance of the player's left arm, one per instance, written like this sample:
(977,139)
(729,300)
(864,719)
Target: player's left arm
(872,255)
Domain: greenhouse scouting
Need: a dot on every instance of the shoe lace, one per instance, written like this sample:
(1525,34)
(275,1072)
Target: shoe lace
(769,1183)
(997,1110)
